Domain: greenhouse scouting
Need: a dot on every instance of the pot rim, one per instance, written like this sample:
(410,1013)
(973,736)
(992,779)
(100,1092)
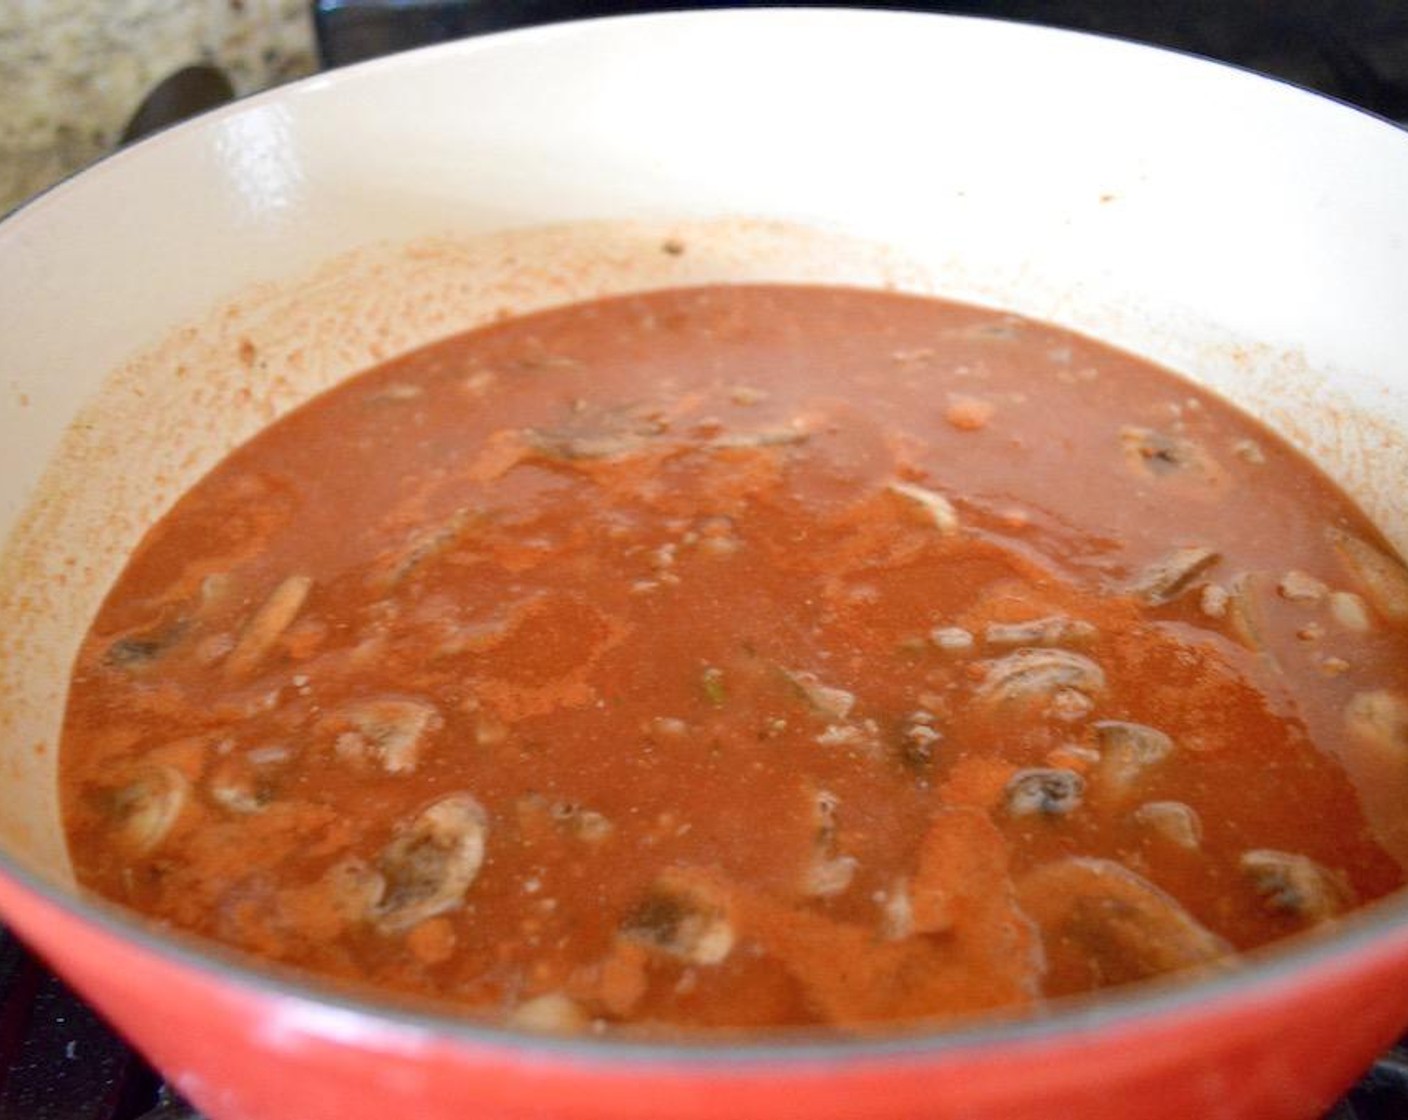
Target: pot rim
(1381,928)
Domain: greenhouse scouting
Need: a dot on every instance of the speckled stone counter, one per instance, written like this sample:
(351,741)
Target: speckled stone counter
(73,71)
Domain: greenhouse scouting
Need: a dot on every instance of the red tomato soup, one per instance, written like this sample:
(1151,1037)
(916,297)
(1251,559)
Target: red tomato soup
(749,657)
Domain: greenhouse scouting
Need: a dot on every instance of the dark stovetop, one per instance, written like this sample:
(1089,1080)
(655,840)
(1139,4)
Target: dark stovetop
(57,1059)
(1356,50)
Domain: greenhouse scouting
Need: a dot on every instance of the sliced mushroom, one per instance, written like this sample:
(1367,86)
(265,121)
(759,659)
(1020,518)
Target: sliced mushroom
(392,732)
(137,651)
(1380,718)
(267,625)
(237,785)
(684,920)
(1058,630)
(1296,886)
(1127,750)
(148,806)
(827,873)
(952,639)
(897,912)
(425,547)
(1048,792)
(1040,674)
(1350,611)
(833,703)
(940,510)
(1103,924)
(827,876)
(570,447)
(1375,755)
(1170,576)
(1174,821)
(431,862)
(1246,610)
(1381,577)
(767,437)
(551,1012)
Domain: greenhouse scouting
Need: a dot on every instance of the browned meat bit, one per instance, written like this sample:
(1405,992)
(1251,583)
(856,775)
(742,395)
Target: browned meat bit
(390,732)
(1155,456)
(1103,924)
(1049,792)
(683,919)
(1381,577)
(1296,886)
(1174,821)
(267,625)
(431,862)
(1054,631)
(1170,576)
(145,809)
(1127,750)
(1032,675)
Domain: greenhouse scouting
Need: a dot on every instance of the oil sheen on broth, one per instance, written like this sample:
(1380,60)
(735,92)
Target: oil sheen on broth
(747,657)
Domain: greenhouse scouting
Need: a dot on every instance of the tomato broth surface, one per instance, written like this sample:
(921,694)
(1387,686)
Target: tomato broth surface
(747,657)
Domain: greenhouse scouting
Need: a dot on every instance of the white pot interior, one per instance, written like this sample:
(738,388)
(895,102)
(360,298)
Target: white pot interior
(165,305)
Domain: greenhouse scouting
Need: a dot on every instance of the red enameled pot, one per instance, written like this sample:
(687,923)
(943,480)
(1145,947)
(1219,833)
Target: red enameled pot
(1244,232)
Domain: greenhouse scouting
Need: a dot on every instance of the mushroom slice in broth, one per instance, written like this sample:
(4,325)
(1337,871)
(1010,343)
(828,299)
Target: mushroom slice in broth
(1127,751)
(431,862)
(683,919)
(146,807)
(1030,675)
(1382,578)
(1104,924)
(1174,574)
(1296,886)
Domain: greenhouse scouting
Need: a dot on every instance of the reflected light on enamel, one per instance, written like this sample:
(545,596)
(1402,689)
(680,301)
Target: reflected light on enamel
(261,160)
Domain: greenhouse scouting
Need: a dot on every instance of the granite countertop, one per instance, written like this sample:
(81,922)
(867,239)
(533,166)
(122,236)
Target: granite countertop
(72,72)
